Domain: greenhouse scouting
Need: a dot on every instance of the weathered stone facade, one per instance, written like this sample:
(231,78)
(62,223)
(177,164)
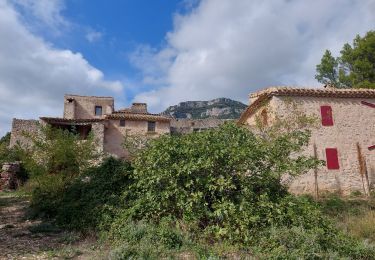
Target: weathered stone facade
(8,176)
(96,115)
(184,126)
(83,107)
(21,127)
(348,137)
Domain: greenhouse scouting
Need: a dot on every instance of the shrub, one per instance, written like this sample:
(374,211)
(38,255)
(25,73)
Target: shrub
(92,199)
(299,243)
(7,154)
(226,182)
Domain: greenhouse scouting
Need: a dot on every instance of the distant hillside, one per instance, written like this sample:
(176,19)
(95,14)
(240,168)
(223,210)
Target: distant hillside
(222,108)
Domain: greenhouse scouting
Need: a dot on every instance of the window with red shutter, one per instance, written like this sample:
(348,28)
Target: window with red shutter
(332,159)
(326,112)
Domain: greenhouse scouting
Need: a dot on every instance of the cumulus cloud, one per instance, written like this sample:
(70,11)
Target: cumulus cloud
(34,75)
(231,48)
(43,13)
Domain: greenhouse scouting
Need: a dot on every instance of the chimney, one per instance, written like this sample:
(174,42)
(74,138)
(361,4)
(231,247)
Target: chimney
(140,108)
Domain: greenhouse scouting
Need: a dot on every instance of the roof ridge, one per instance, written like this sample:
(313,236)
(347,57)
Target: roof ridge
(274,90)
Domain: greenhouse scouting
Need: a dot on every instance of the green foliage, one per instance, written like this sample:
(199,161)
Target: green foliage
(89,201)
(226,181)
(296,242)
(145,240)
(58,152)
(355,68)
(7,154)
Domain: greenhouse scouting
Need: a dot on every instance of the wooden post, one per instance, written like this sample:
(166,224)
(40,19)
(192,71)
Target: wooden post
(362,168)
(316,174)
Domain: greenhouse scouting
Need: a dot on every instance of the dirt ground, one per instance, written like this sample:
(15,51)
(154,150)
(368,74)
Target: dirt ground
(21,238)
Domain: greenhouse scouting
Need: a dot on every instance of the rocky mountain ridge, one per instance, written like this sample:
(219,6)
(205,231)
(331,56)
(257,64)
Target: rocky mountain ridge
(221,108)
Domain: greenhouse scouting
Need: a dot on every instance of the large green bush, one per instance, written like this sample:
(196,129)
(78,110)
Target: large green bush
(227,181)
(92,200)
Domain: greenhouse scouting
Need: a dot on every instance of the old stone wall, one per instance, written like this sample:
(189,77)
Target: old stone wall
(98,131)
(21,127)
(352,124)
(184,126)
(115,134)
(8,176)
(83,107)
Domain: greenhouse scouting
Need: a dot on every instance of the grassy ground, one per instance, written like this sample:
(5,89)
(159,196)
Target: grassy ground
(21,238)
(354,215)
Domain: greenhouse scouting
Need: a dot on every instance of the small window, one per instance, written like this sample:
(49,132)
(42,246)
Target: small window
(332,159)
(122,122)
(98,110)
(327,118)
(151,126)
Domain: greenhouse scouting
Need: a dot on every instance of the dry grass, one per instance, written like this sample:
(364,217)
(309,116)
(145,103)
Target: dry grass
(360,226)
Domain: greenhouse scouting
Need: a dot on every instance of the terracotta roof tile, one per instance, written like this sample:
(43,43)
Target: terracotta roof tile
(315,92)
(266,94)
(138,116)
(70,121)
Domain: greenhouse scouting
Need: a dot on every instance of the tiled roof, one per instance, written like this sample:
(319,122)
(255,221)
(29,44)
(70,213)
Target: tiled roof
(138,116)
(264,95)
(316,92)
(70,121)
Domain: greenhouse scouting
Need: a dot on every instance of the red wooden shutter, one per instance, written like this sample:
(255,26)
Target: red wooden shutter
(332,159)
(326,112)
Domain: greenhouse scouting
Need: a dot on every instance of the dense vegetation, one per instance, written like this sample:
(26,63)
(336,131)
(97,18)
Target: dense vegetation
(7,154)
(207,194)
(355,68)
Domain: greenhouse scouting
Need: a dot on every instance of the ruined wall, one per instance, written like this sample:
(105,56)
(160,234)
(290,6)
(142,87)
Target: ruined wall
(82,107)
(184,126)
(114,134)
(19,127)
(353,123)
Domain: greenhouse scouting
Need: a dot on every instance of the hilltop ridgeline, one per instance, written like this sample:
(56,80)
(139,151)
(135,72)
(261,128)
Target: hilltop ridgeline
(221,108)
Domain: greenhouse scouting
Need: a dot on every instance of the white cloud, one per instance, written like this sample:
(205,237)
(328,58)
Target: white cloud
(34,75)
(44,13)
(93,36)
(230,48)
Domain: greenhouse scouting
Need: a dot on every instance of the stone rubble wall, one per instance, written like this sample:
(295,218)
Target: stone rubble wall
(20,127)
(8,176)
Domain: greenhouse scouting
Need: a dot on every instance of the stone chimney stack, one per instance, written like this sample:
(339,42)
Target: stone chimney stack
(139,108)
(69,107)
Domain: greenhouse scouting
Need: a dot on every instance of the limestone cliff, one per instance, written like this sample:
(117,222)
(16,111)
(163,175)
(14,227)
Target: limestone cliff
(221,108)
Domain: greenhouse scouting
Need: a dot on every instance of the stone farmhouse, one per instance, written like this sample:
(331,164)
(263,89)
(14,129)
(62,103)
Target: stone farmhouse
(87,114)
(344,136)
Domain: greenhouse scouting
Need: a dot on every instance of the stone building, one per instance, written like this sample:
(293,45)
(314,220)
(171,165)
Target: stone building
(86,114)
(185,126)
(344,137)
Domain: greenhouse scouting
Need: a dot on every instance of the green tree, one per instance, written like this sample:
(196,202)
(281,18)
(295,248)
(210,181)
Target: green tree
(355,68)
(226,180)
(58,152)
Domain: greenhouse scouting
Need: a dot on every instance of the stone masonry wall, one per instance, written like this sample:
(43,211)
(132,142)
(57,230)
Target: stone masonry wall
(353,123)
(114,134)
(84,106)
(19,128)
(184,126)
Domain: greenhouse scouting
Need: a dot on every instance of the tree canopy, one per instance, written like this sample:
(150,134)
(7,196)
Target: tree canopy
(355,68)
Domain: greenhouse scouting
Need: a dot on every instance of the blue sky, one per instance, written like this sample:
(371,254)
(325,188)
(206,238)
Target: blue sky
(164,51)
